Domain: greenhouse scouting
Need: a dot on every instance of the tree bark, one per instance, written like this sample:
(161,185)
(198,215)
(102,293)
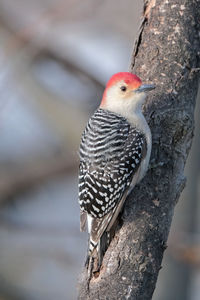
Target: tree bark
(166,53)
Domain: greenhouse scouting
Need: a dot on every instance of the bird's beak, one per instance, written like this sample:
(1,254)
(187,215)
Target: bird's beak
(145,88)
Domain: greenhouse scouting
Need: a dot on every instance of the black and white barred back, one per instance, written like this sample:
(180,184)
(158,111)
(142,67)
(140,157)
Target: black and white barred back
(110,154)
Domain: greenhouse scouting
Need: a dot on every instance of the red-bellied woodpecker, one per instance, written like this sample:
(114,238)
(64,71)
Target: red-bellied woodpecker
(114,155)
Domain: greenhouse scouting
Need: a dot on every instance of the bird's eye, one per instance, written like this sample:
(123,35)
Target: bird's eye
(123,88)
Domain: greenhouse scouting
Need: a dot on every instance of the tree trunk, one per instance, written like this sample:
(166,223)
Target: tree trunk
(166,53)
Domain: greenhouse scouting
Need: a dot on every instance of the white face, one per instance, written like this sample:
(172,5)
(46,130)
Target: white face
(123,98)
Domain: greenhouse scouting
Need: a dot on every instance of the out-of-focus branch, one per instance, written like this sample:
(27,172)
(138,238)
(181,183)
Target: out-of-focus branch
(26,176)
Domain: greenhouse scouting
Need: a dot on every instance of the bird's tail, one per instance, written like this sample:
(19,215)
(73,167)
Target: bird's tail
(100,236)
(96,251)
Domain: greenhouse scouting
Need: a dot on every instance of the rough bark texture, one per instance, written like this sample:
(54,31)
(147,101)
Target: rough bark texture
(167,54)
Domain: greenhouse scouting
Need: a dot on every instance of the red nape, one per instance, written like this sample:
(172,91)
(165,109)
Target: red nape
(127,77)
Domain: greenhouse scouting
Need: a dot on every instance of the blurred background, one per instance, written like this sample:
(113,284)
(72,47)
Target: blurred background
(55,58)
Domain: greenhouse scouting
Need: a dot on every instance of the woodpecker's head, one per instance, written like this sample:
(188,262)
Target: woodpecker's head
(125,93)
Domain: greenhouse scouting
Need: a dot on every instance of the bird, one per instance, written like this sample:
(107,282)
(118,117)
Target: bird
(114,152)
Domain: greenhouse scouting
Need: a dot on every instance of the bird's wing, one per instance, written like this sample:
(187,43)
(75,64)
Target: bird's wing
(103,181)
(99,225)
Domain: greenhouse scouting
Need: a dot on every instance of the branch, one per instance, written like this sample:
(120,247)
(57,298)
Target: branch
(166,53)
(20,178)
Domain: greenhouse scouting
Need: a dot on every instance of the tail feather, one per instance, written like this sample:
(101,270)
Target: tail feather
(103,246)
(97,250)
(101,231)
